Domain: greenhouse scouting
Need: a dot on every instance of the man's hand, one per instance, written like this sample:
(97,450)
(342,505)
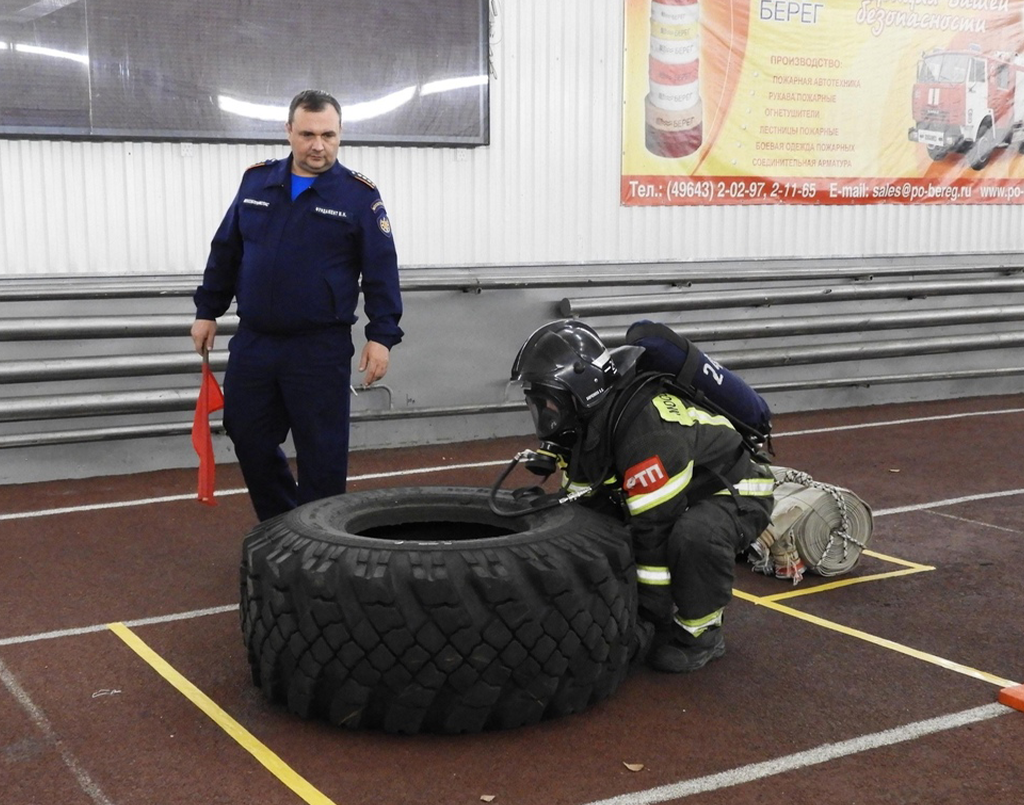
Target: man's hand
(203,333)
(374,361)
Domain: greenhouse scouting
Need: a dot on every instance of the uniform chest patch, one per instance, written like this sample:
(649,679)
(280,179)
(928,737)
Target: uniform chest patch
(647,476)
(329,213)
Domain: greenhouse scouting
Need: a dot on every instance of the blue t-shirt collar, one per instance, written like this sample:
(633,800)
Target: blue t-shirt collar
(301,183)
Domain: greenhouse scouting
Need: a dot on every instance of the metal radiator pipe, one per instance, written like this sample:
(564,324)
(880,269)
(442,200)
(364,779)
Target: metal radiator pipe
(709,300)
(22,409)
(843,323)
(869,350)
(80,327)
(53,369)
(463,279)
(100,434)
(69,406)
(880,380)
(17,409)
(109,433)
(39,371)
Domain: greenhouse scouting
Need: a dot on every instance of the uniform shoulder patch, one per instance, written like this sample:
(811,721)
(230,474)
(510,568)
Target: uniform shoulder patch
(365,180)
(647,476)
(261,164)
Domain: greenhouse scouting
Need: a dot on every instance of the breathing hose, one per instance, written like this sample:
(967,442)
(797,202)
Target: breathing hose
(540,500)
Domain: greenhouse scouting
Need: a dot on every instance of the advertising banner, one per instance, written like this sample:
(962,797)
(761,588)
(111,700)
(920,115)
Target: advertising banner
(823,102)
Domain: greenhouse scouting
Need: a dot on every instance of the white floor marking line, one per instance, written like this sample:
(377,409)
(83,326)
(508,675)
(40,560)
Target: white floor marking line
(800,760)
(123,504)
(975,522)
(42,723)
(8,641)
(476,465)
(102,627)
(117,504)
(128,503)
(947,502)
(439,468)
(893,422)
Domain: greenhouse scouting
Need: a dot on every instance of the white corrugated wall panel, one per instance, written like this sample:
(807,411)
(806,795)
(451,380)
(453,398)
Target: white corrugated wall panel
(546,190)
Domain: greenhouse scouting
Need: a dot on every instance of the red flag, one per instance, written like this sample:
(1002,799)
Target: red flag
(210,399)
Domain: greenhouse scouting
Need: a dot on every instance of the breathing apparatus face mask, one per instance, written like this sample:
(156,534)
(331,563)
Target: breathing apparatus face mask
(559,427)
(552,410)
(556,425)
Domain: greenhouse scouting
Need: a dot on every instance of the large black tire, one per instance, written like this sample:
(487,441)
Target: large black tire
(418,610)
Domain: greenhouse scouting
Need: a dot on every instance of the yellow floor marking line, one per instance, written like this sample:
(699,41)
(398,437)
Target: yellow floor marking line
(896,560)
(285,773)
(843,583)
(912,567)
(878,641)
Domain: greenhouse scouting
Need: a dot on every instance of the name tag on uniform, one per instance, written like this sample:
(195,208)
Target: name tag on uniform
(330,213)
(255,202)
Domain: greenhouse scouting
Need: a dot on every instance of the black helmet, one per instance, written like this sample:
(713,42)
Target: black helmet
(566,371)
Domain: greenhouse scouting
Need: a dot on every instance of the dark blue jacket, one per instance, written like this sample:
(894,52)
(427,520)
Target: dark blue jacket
(296,266)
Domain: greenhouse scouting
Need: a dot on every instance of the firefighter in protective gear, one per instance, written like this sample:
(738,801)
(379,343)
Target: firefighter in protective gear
(693,497)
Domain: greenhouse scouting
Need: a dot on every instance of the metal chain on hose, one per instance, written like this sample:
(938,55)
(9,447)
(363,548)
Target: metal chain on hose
(816,527)
(842,531)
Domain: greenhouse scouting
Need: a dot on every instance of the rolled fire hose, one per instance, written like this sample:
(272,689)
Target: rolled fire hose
(816,527)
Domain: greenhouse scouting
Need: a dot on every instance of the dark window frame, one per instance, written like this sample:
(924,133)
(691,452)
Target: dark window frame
(180,70)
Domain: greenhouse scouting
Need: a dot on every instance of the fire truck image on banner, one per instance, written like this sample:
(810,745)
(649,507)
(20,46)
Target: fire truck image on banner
(968,102)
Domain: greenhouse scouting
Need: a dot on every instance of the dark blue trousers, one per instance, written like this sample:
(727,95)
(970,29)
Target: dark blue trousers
(298,383)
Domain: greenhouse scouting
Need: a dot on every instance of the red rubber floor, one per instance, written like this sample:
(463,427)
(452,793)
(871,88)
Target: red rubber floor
(123,677)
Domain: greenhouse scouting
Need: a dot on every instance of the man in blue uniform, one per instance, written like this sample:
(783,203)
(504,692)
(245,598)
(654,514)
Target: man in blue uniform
(300,239)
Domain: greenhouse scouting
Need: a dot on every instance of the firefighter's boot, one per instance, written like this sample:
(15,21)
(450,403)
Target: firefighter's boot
(685,653)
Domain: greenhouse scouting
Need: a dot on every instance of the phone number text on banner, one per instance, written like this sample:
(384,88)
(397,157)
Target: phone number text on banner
(661,190)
